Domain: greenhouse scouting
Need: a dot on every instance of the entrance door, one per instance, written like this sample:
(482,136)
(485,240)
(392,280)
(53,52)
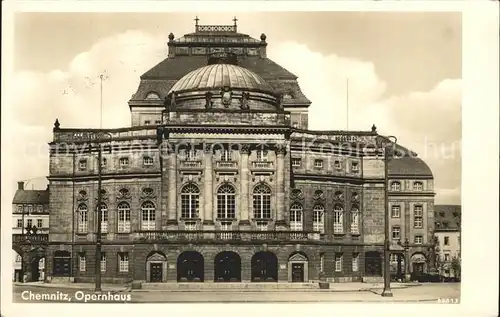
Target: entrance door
(156,272)
(298,272)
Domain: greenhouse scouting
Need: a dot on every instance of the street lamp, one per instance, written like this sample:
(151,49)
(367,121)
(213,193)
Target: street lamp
(406,246)
(99,138)
(386,143)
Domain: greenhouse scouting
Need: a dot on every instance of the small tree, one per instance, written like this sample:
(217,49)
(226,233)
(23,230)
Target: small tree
(456,266)
(435,253)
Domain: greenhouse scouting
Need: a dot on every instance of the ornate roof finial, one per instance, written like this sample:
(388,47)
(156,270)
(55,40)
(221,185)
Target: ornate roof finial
(196,20)
(263,37)
(56,125)
(374,129)
(171,36)
(235,20)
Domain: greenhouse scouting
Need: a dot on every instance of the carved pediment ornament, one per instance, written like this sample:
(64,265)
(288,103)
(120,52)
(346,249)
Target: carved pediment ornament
(339,196)
(147,193)
(355,197)
(157,257)
(123,194)
(280,148)
(297,194)
(319,195)
(226,96)
(104,196)
(244,101)
(245,148)
(82,196)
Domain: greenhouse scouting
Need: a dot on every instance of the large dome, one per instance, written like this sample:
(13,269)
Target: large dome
(219,76)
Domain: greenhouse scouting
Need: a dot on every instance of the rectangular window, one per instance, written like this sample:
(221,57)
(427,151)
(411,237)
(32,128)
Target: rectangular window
(318,224)
(396,211)
(148,219)
(124,162)
(338,262)
(419,239)
(157,122)
(103,262)
(19,258)
(396,233)
(261,225)
(123,220)
(337,165)
(418,186)
(354,167)
(30,223)
(20,209)
(225,156)
(318,163)
(82,165)
(261,155)
(123,262)
(446,240)
(355,262)
(447,257)
(296,162)
(191,155)
(19,223)
(338,225)
(321,262)
(30,209)
(355,221)
(393,258)
(418,216)
(104,162)
(147,122)
(39,223)
(83,262)
(147,161)
(39,208)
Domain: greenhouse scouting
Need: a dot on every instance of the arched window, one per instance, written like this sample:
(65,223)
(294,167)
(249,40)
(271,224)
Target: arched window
(396,186)
(338,219)
(83,218)
(190,200)
(296,217)
(355,219)
(318,222)
(152,95)
(104,218)
(418,186)
(262,202)
(148,216)
(226,202)
(123,217)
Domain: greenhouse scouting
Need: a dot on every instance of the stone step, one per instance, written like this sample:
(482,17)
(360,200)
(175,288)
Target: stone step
(215,286)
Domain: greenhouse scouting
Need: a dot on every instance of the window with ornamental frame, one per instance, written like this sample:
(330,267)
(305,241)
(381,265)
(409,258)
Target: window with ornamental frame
(262,202)
(337,165)
(418,216)
(124,162)
(355,219)
(354,167)
(123,262)
(39,223)
(226,202)
(296,212)
(395,211)
(82,165)
(419,239)
(296,162)
(191,155)
(338,219)
(318,163)
(148,212)
(19,223)
(83,218)
(147,161)
(318,218)
(190,201)
(226,155)
(396,186)
(123,217)
(261,155)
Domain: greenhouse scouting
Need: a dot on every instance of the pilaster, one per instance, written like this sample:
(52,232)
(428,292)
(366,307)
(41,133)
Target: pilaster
(244,196)
(172,188)
(280,180)
(208,190)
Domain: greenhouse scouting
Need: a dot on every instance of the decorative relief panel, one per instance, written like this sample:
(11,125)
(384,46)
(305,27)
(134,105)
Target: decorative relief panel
(319,195)
(104,196)
(123,194)
(82,196)
(190,177)
(198,51)
(355,198)
(226,178)
(147,193)
(262,178)
(338,196)
(297,194)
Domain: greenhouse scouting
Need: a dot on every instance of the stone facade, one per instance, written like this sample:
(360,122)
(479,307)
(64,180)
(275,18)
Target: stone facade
(220,180)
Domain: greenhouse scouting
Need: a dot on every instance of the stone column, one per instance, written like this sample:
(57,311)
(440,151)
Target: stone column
(244,200)
(280,184)
(208,188)
(172,187)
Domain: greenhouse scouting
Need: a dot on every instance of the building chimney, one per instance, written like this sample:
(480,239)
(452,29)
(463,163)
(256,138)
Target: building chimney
(20,185)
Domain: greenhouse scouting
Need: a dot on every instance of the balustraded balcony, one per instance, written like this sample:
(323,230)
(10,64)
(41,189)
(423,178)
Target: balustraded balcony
(262,165)
(191,164)
(179,236)
(33,238)
(226,165)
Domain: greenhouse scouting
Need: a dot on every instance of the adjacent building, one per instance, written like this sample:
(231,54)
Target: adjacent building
(448,238)
(30,215)
(219,178)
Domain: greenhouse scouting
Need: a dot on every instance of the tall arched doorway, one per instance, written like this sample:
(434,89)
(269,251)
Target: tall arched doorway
(418,263)
(156,267)
(264,267)
(190,267)
(227,267)
(298,267)
(37,268)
